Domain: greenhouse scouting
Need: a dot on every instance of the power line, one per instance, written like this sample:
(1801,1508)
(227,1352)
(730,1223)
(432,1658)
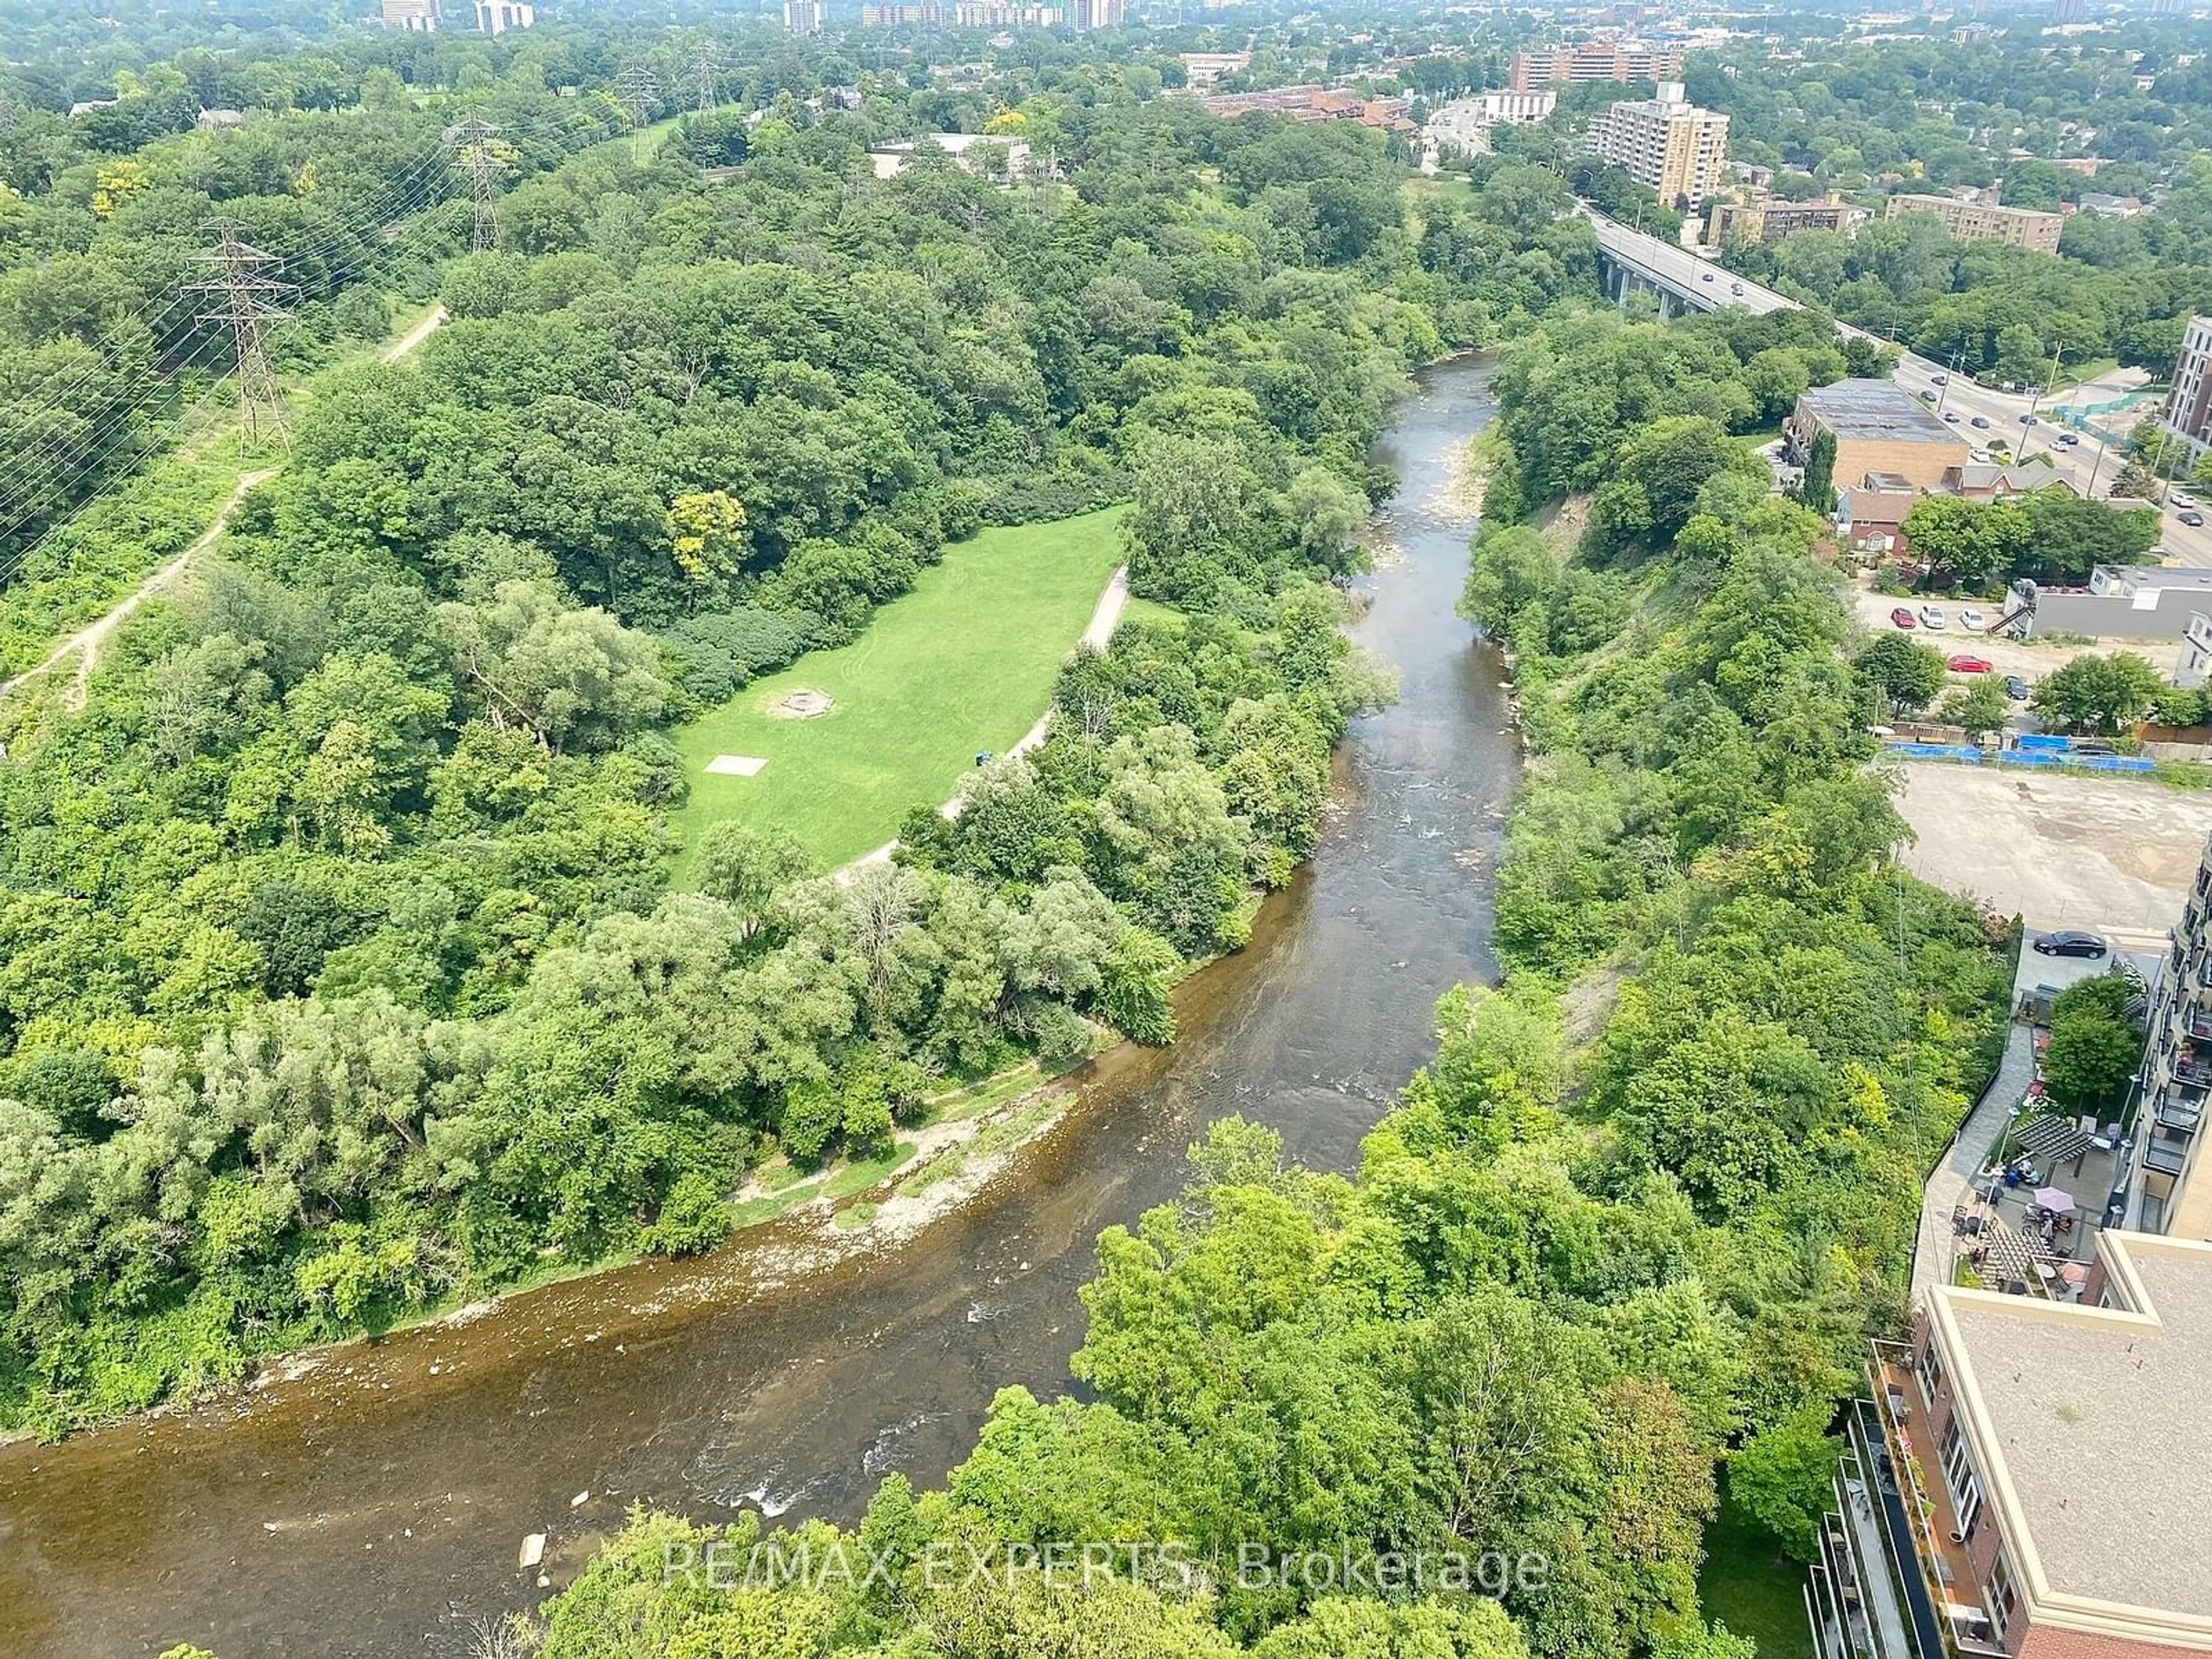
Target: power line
(699,79)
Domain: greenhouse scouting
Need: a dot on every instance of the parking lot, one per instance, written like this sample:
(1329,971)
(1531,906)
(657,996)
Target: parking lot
(2031,660)
(2112,856)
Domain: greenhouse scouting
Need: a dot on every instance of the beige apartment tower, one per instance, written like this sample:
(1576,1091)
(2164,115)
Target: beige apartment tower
(1975,221)
(1667,143)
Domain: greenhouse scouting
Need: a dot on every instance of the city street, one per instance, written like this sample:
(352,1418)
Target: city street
(2097,455)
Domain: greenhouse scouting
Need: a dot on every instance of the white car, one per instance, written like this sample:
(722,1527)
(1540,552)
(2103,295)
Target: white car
(1973,619)
(1933,619)
(2180,498)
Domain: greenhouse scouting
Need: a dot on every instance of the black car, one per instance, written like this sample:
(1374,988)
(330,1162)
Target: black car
(2015,688)
(2069,943)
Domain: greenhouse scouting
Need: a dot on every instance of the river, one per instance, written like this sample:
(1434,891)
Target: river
(374,1505)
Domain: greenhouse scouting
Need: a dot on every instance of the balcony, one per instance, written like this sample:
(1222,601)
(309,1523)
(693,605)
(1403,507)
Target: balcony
(2165,1157)
(2193,1069)
(2199,1025)
(1942,1590)
(2179,1115)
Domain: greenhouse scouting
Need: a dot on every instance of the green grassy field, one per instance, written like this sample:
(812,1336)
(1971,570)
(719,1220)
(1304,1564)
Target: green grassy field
(1748,1585)
(964,663)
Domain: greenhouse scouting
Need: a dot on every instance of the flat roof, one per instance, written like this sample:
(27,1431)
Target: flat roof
(1876,409)
(2101,1422)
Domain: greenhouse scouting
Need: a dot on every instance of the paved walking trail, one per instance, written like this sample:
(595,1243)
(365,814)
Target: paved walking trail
(1105,618)
(1978,1136)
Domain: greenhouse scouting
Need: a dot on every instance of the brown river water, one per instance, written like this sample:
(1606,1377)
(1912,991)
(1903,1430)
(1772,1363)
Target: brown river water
(374,1505)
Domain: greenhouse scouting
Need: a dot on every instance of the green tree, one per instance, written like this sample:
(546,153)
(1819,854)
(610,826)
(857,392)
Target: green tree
(1979,544)
(1907,673)
(1784,1478)
(2097,694)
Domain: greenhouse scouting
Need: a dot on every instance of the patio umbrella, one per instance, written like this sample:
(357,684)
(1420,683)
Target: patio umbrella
(2055,1201)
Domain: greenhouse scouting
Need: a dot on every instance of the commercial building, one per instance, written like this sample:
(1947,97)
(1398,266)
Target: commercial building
(2188,412)
(1769,218)
(1877,427)
(1666,143)
(1203,69)
(2122,601)
(1981,221)
(2026,1482)
(1594,60)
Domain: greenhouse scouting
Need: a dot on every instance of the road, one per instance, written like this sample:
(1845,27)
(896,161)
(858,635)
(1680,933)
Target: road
(2094,461)
(1681,268)
(2090,466)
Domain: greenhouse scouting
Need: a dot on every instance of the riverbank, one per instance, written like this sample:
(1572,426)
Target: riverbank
(384,1495)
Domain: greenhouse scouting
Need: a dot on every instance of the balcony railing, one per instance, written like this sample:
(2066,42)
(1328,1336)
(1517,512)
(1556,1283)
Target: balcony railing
(1938,1577)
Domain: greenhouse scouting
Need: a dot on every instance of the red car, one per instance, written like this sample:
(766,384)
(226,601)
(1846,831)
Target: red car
(1903,617)
(1965,665)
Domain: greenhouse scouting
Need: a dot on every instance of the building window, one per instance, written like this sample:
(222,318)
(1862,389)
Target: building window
(1931,1370)
(2004,1599)
(1959,1476)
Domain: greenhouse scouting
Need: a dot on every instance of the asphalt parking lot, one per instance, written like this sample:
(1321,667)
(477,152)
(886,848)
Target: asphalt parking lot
(2112,856)
(2030,660)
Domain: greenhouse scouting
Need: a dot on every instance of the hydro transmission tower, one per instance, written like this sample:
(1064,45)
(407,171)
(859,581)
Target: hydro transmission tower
(482,160)
(699,79)
(637,90)
(247,299)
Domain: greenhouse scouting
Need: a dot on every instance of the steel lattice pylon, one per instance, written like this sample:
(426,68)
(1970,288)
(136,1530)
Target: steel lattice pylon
(247,301)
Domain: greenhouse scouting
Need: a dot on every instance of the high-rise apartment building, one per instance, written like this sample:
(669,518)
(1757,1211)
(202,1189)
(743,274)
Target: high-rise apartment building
(2167,1192)
(2188,412)
(1595,60)
(416,16)
(498,16)
(803,16)
(1667,143)
(1089,15)
(1979,221)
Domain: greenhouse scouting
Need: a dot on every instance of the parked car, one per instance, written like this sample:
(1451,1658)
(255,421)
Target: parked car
(2070,943)
(1903,617)
(2190,516)
(1969,617)
(2015,688)
(1966,664)
(1932,618)
(1981,421)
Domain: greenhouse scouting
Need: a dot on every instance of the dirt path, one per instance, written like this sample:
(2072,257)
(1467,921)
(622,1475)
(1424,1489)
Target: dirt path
(414,337)
(85,643)
(1105,618)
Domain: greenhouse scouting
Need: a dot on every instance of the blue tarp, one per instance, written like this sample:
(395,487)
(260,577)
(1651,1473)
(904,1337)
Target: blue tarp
(2041,740)
(1957,752)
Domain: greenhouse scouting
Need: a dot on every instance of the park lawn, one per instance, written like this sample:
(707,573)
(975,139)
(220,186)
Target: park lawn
(963,664)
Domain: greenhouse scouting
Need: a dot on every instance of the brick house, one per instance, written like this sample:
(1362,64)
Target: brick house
(2028,1480)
